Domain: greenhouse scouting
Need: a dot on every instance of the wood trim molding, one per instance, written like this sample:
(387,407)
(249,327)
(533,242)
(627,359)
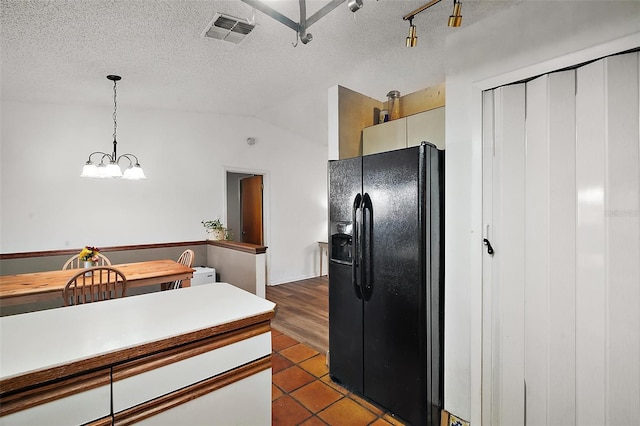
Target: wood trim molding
(166,402)
(235,245)
(152,362)
(57,390)
(39,377)
(105,421)
(70,252)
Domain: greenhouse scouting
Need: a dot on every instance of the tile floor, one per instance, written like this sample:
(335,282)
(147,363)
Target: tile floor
(304,394)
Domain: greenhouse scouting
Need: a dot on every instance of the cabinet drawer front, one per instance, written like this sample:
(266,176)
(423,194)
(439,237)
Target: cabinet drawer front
(76,409)
(239,397)
(246,402)
(74,400)
(152,383)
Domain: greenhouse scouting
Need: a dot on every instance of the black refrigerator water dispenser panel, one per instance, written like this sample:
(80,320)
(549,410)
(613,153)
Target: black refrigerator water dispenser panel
(341,242)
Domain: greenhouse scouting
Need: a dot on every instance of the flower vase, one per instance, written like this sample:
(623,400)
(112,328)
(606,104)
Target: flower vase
(89,264)
(216,234)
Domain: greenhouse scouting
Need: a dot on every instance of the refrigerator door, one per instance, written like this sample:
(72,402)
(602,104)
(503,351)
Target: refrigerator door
(345,298)
(395,301)
(434,271)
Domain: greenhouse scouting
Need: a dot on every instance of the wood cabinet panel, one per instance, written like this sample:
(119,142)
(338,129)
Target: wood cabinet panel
(356,111)
(423,100)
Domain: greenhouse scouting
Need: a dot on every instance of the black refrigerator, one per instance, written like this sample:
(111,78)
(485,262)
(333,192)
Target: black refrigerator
(386,284)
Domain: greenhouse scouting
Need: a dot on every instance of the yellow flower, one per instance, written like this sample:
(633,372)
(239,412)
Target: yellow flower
(89,253)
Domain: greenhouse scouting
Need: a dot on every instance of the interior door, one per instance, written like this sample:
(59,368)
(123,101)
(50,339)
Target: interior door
(251,202)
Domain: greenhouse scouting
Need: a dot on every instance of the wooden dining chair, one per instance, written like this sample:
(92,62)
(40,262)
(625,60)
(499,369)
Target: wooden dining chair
(186,258)
(94,284)
(74,262)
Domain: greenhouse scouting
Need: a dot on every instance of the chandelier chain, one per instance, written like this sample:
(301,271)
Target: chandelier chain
(115,109)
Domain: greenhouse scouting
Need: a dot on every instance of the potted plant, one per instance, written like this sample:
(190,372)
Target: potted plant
(215,229)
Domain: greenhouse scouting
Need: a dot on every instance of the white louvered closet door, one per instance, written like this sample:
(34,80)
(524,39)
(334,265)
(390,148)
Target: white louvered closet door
(561,207)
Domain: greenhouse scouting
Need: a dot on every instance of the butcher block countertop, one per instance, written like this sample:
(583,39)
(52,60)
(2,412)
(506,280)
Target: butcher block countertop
(41,346)
(37,286)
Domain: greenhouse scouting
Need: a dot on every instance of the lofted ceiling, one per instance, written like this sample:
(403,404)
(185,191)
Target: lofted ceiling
(60,51)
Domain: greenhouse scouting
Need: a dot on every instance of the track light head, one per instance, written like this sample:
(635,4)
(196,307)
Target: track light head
(412,40)
(354,5)
(456,18)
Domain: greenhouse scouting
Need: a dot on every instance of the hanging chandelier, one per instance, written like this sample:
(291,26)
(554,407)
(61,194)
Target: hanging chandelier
(109,163)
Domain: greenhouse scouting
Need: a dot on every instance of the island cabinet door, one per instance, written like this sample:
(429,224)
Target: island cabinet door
(190,375)
(72,401)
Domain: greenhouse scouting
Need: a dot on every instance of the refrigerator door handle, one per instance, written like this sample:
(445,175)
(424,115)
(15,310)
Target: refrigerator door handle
(356,255)
(367,242)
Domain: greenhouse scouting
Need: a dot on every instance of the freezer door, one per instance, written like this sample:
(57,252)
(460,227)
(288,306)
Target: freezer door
(395,314)
(345,299)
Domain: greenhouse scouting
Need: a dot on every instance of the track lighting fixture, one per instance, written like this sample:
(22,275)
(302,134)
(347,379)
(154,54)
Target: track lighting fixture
(454,20)
(305,22)
(412,40)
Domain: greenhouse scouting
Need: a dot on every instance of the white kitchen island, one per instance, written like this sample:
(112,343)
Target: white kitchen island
(197,355)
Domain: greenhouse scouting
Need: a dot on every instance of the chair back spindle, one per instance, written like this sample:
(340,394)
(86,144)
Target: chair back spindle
(186,258)
(94,284)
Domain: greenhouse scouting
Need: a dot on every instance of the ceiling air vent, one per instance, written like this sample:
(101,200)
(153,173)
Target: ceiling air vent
(228,28)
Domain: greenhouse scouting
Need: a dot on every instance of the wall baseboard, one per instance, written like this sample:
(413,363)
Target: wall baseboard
(294,279)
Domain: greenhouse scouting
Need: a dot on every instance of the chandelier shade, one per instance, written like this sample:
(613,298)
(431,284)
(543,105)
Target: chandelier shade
(109,163)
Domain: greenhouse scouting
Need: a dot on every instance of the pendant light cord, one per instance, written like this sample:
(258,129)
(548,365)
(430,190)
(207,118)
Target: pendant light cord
(115,119)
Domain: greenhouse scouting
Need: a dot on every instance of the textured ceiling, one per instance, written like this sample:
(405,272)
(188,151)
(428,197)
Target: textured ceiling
(61,51)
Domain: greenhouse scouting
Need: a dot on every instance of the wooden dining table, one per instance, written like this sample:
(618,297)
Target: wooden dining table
(38,286)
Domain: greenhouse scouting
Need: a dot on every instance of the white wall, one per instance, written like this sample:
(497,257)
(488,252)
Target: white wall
(526,40)
(45,205)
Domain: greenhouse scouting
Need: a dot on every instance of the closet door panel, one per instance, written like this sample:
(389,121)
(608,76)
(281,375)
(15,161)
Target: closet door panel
(622,222)
(489,345)
(561,322)
(510,154)
(536,246)
(590,246)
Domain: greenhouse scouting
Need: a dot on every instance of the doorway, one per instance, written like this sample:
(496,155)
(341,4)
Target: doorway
(245,207)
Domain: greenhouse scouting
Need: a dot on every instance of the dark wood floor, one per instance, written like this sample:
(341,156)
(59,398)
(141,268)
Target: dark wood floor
(303,311)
